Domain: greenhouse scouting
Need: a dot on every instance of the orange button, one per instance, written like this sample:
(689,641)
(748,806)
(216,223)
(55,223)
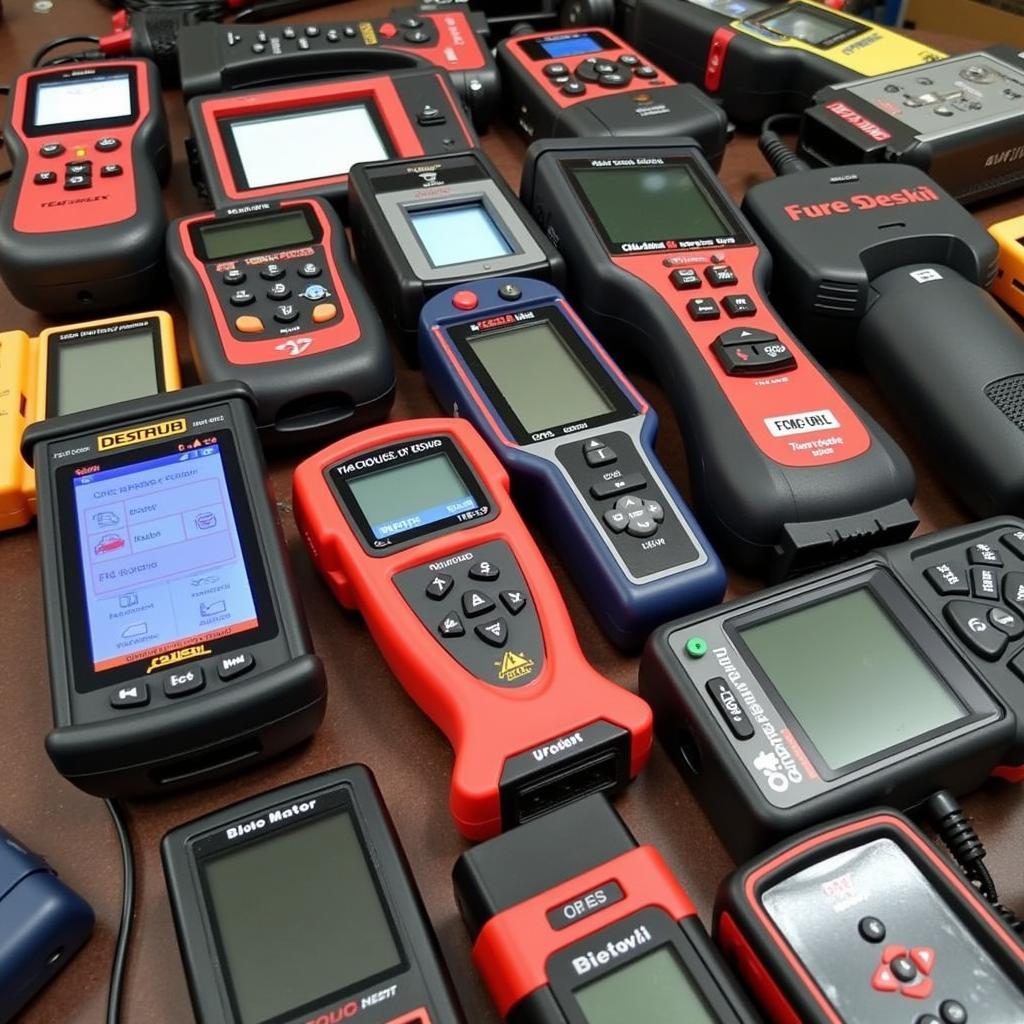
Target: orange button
(465,300)
(249,324)
(324,312)
(387,30)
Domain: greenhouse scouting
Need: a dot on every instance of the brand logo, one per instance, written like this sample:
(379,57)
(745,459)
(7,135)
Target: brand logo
(1005,157)
(136,435)
(76,201)
(183,654)
(859,121)
(611,951)
(769,765)
(551,749)
(801,423)
(233,211)
(862,202)
(514,666)
(294,346)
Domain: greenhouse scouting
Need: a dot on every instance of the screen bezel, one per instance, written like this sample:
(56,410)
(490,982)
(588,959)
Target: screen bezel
(462,336)
(916,629)
(846,28)
(409,210)
(227,122)
(534,49)
(59,340)
(710,190)
(99,124)
(208,847)
(86,679)
(393,456)
(195,229)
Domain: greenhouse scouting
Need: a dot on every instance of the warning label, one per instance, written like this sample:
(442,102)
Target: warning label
(514,666)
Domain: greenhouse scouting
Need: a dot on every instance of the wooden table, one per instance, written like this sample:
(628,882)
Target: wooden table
(369,718)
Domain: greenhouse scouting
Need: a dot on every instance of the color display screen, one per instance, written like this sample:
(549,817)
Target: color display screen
(161,560)
(298,917)
(407,497)
(303,146)
(574,46)
(227,238)
(458,234)
(807,25)
(106,369)
(540,377)
(635,204)
(852,678)
(73,100)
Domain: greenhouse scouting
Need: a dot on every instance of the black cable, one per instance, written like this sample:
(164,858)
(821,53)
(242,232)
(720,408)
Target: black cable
(5,90)
(63,41)
(117,968)
(776,150)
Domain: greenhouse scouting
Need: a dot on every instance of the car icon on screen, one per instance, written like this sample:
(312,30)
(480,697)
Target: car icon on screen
(108,542)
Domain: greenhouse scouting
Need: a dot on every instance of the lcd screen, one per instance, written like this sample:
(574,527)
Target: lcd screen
(224,239)
(655,989)
(574,46)
(807,25)
(298,917)
(540,377)
(458,234)
(636,204)
(109,368)
(852,678)
(306,145)
(161,560)
(407,497)
(75,100)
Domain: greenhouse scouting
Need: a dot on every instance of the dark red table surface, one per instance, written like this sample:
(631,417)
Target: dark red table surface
(369,718)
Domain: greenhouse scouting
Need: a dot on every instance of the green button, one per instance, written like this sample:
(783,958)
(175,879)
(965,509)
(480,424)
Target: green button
(696,647)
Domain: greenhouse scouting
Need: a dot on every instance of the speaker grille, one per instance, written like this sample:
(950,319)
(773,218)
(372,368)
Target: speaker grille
(1007,395)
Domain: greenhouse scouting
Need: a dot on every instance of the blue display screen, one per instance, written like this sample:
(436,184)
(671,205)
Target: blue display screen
(458,234)
(161,558)
(574,46)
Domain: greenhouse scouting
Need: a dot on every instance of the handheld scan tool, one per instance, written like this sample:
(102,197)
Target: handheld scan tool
(301,140)
(177,646)
(889,677)
(411,524)
(82,221)
(1009,280)
(218,58)
(574,923)
(360,944)
(589,82)
(69,369)
(761,57)
(512,356)
(421,226)
(273,299)
(862,921)
(881,260)
(787,472)
(960,119)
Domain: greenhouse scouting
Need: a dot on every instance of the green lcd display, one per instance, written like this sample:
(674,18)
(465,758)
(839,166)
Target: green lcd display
(638,204)
(106,369)
(655,989)
(852,678)
(223,239)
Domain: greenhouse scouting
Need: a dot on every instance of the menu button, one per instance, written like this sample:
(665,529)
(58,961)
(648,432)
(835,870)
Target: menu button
(730,709)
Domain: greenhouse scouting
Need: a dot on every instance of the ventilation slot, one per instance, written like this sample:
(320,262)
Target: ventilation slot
(836,298)
(1007,395)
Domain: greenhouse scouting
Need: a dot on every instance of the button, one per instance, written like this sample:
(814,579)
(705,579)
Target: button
(655,511)
(286,314)
(230,666)
(631,503)
(242,297)
(730,708)
(684,278)
(984,554)
(720,276)
(970,622)
(439,586)
(615,79)
(74,182)
(630,60)
(332,35)
(416,37)
(475,602)
(81,167)
(600,457)
(1012,625)
(272,271)
(312,31)
(249,325)
(323,312)
(45,177)
(1014,541)
(952,1012)
(645,71)
(279,291)
(920,990)
(233,276)
(573,88)
(944,111)
(903,969)
(1013,590)
(411,23)
(871,929)
(465,300)
(451,626)
(641,525)
(696,647)
(948,578)
(924,958)
(108,144)
(927,1018)
(349,32)
(750,360)
(513,600)
(484,570)
(288,32)
(309,270)
(134,696)
(985,582)
(430,115)
(494,632)
(387,30)
(261,36)
(604,67)
(618,485)
(314,292)
(884,980)
(616,520)
(510,292)
(703,309)
(177,684)
(891,952)
(51,149)
(587,69)
(739,305)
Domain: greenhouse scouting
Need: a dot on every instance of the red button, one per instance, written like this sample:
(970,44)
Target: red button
(922,990)
(884,980)
(891,952)
(465,300)
(387,30)
(924,958)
